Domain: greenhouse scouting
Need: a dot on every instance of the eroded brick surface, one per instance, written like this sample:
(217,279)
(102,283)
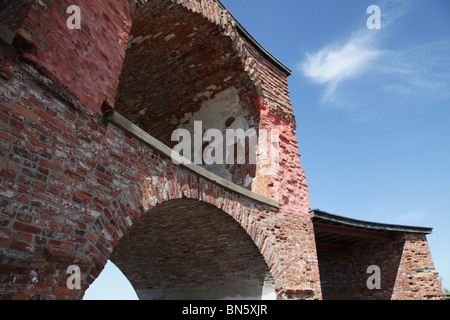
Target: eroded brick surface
(74,189)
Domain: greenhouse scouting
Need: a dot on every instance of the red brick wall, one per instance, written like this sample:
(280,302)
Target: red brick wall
(183,62)
(263,91)
(86,62)
(344,274)
(417,277)
(406,270)
(67,181)
(71,188)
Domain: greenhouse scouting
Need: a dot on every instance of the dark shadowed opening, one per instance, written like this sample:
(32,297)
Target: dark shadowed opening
(187,249)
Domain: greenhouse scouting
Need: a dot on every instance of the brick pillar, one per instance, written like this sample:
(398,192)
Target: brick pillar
(417,279)
(42,58)
(289,187)
(286,183)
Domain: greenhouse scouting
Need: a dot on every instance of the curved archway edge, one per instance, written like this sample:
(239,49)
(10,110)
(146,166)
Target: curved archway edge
(189,249)
(256,220)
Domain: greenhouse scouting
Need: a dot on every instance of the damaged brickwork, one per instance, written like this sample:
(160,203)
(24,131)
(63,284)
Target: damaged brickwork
(79,187)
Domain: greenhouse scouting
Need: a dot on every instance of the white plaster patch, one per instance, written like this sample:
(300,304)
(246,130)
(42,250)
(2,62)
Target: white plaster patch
(42,4)
(214,114)
(186,120)
(93,213)
(107,235)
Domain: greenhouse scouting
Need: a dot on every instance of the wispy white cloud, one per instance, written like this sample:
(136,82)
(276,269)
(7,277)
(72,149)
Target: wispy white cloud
(335,64)
(364,64)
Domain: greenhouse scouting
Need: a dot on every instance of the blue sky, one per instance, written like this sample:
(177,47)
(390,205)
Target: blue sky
(372,107)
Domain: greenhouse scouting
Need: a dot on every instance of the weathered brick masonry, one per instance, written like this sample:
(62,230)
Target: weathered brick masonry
(348,249)
(80,184)
(71,188)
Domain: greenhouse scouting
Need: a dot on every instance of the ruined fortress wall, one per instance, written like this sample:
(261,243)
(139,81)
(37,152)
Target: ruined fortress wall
(72,186)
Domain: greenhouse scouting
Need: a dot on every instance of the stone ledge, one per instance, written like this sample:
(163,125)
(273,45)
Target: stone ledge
(118,120)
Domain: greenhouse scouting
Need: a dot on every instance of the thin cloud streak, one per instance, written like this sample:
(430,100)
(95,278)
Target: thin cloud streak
(333,65)
(352,71)
(419,71)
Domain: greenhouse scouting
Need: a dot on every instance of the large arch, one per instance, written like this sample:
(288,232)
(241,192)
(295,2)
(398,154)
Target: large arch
(182,66)
(234,233)
(187,249)
(185,62)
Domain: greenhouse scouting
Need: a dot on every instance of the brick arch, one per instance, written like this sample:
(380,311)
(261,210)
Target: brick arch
(140,205)
(184,64)
(251,75)
(190,249)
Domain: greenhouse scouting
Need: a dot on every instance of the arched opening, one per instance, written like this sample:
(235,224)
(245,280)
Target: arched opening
(180,69)
(188,249)
(111,284)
